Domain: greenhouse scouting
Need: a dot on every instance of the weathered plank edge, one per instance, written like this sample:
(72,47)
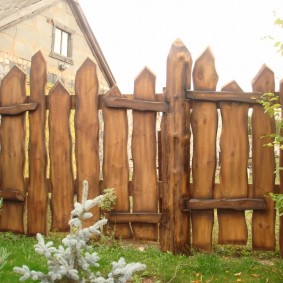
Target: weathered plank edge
(234,204)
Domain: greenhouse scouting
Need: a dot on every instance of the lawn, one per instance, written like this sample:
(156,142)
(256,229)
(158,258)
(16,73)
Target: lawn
(224,264)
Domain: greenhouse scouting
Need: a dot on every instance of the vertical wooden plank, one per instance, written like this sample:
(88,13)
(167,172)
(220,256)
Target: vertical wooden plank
(60,151)
(37,200)
(234,146)
(263,222)
(115,159)
(12,154)
(204,128)
(87,127)
(145,192)
(281,175)
(175,229)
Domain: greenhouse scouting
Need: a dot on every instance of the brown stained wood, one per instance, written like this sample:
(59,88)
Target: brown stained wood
(175,232)
(87,127)
(263,223)
(12,195)
(217,96)
(204,128)
(37,201)
(138,105)
(60,151)
(281,175)
(146,217)
(12,155)
(115,159)
(17,109)
(145,198)
(234,147)
(231,204)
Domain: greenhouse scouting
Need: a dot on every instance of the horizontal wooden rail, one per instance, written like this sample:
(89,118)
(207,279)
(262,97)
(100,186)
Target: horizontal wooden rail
(17,109)
(135,104)
(230,96)
(141,217)
(234,204)
(12,195)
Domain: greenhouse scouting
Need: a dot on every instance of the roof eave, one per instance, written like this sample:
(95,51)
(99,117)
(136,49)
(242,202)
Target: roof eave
(96,50)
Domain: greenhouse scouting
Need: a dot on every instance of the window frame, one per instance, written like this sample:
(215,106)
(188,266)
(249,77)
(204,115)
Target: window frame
(68,59)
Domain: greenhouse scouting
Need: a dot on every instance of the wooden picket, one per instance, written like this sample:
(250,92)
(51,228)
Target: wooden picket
(115,159)
(12,156)
(234,148)
(37,200)
(60,151)
(263,222)
(204,128)
(171,207)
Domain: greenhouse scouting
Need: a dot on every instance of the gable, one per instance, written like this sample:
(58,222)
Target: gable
(25,36)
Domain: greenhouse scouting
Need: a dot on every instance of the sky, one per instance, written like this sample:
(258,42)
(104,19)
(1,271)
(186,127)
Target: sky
(137,33)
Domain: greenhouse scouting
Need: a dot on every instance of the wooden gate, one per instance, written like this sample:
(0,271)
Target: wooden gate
(173,191)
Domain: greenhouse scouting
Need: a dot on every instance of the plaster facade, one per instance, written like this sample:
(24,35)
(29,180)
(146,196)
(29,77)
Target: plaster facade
(21,41)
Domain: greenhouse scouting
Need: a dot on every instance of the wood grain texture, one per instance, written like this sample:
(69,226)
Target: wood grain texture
(145,190)
(12,155)
(263,223)
(115,160)
(281,174)
(234,147)
(175,232)
(60,151)
(231,204)
(87,127)
(224,96)
(204,128)
(118,102)
(37,200)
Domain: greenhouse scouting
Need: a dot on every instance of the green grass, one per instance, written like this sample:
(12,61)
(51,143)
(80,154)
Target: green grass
(224,264)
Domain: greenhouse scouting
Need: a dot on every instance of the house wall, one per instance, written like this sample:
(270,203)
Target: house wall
(19,42)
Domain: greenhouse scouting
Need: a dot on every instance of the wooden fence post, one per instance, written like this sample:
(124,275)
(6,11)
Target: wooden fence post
(12,154)
(115,159)
(204,127)
(175,229)
(234,148)
(60,149)
(37,200)
(87,127)
(144,150)
(263,222)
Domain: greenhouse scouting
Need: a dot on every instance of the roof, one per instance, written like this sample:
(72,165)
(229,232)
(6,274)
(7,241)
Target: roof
(14,11)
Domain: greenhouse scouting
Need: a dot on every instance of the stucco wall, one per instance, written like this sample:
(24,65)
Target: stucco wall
(19,42)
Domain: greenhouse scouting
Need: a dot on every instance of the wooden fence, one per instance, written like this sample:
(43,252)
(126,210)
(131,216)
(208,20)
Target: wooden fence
(165,205)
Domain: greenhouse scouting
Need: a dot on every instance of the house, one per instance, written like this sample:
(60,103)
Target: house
(59,29)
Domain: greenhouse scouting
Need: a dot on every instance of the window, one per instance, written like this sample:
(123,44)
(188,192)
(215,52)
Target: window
(62,43)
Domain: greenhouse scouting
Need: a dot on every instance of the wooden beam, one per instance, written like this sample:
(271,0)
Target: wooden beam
(139,217)
(135,104)
(247,97)
(234,204)
(17,109)
(12,195)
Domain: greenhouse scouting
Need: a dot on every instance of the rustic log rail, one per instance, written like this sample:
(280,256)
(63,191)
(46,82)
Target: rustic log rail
(234,204)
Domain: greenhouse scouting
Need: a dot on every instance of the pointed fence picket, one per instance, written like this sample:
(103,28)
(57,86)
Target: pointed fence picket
(175,207)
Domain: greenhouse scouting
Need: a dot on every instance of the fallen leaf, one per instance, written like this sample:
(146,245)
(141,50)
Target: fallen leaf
(239,280)
(238,274)
(255,275)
